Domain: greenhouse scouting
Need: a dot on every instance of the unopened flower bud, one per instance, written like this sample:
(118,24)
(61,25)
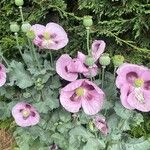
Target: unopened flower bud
(26,95)
(91,126)
(19,2)
(118,60)
(25,27)
(87,21)
(30,34)
(89,61)
(14,27)
(104,60)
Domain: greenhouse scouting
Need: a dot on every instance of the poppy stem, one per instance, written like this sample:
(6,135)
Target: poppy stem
(4,60)
(51,58)
(35,56)
(18,46)
(115,72)
(88,40)
(21,14)
(103,75)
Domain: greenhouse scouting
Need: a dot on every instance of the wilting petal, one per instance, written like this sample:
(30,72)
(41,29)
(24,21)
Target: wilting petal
(127,73)
(81,57)
(61,68)
(58,35)
(125,91)
(100,123)
(92,71)
(98,47)
(139,103)
(92,103)
(70,104)
(76,66)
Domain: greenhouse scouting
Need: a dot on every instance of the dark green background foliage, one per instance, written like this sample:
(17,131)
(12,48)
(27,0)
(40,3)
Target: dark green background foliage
(123,24)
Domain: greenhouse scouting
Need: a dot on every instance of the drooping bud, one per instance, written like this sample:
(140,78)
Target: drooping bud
(25,27)
(118,60)
(14,27)
(89,61)
(19,2)
(30,34)
(104,60)
(87,21)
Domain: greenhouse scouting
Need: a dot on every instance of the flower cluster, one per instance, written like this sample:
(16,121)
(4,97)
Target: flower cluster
(69,68)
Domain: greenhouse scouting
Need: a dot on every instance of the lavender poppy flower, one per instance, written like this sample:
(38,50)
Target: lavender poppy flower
(100,123)
(82,93)
(53,36)
(134,84)
(2,75)
(25,115)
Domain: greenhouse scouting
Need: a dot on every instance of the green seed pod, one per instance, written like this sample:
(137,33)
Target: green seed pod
(87,21)
(14,27)
(118,60)
(25,27)
(30,34)
(19,2)
(104,60)
(89,61)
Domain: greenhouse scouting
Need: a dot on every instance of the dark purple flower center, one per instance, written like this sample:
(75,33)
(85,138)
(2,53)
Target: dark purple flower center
(27,111)
(131,76)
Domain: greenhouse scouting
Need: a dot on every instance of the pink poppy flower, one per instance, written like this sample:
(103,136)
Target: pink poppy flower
(53,36)
(128,73)
(25,115)
(69,68)
(82,93)
(2,75)
(100,123)
(92,70)
(134,83)
(98,47)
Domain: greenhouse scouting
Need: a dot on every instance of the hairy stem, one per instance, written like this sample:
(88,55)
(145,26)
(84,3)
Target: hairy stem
(18,46)
(103,75)
(21,14)
(88,40)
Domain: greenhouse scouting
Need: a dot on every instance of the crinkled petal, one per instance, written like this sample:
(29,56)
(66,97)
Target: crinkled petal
(98,47)
(61,68)
(92,105)
(92,71)
(125,91)
(134,102)
(76,66)
(69,104)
